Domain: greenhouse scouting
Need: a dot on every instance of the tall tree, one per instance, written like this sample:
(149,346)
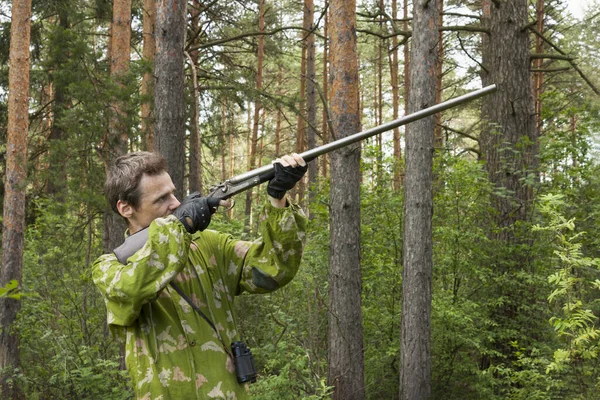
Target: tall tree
(394,71)
(13,222)
(311,94)
(169,99)
(148,52)
(257,105)
(346,358)
(415,345)
(509,146)
(61,42)
(117,136)
(325,115)
(509,138)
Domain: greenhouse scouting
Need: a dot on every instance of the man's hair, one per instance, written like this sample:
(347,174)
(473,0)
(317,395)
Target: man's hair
(123,178)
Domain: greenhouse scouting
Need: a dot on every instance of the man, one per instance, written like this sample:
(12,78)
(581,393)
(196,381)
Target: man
(172,352)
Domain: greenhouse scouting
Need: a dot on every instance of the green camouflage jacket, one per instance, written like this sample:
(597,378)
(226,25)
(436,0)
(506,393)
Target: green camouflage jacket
(171,352)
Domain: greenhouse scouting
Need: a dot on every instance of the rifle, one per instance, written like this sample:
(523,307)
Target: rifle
(241,183)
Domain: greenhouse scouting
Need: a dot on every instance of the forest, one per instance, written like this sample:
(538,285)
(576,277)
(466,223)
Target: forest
(455,257)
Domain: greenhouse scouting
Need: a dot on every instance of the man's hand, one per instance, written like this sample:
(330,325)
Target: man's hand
(289,170)
(195,212)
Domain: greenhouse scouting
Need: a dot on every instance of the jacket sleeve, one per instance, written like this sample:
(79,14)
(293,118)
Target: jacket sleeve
(126,288)
(267,263)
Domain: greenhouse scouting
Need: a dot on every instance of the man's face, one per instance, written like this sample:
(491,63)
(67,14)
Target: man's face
(157,200)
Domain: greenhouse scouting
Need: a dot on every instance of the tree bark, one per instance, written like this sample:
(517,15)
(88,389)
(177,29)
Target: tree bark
(57,180)
(257,106)
(396,183)
(325,116)
(346,358)
(538,76)
(169,102)
(311,98)
(148,54)
(13,223)
(115,143)
(415,345)
(508,139)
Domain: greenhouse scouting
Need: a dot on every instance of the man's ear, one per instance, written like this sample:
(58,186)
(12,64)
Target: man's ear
(124,208)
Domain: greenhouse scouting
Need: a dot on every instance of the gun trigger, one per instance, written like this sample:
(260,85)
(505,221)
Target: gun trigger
(232,202)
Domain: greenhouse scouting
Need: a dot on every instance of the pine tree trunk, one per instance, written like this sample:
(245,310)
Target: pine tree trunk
(148,54)
(415,346)
(395,102)
(169,102)
(311,99)
(438,133)
(325,116)
(13,223)
(115,143)
(346,358)
(509,138)
(56,183)
(538,75)
(257,105)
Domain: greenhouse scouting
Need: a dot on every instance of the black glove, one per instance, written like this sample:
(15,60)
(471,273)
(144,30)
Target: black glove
(195,212)
(285,179)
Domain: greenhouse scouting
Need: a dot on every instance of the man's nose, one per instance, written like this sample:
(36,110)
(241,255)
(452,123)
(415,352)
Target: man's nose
(174,203)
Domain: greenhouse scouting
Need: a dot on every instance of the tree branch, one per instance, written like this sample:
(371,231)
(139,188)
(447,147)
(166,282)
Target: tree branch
(571,61)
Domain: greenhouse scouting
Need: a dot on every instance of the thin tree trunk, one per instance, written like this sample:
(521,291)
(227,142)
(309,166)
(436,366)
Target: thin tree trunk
(13,222)
(57,180)
(538,75)
(415,344)
(148,53)
(115,143)
(195,161)
(325,125)
(169,102)
(311,99)
(257,104)
(346,358)
(438,133)
(395,102)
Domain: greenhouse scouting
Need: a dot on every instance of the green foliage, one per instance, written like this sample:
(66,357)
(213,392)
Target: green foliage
(11,290)
(574,298)
(66,351)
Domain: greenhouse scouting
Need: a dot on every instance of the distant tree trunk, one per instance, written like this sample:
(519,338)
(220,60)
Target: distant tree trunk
(195,161)
(13,223)
(224,136)
(148,53)
(379,100)
(298,191)
(279,116)
(346,358)
(57,139)
(169,101)
(415,346)
(509,139)
(119,66)
(325,126)
(438,133)
(538,75)
(115,144)
(311,98)
(257,105)
(395,102)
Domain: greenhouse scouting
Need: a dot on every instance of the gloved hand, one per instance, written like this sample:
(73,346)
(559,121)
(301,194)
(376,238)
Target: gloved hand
(195,212)
(288,171)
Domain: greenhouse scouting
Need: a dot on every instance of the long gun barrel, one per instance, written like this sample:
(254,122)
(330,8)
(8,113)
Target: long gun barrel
(247,180)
